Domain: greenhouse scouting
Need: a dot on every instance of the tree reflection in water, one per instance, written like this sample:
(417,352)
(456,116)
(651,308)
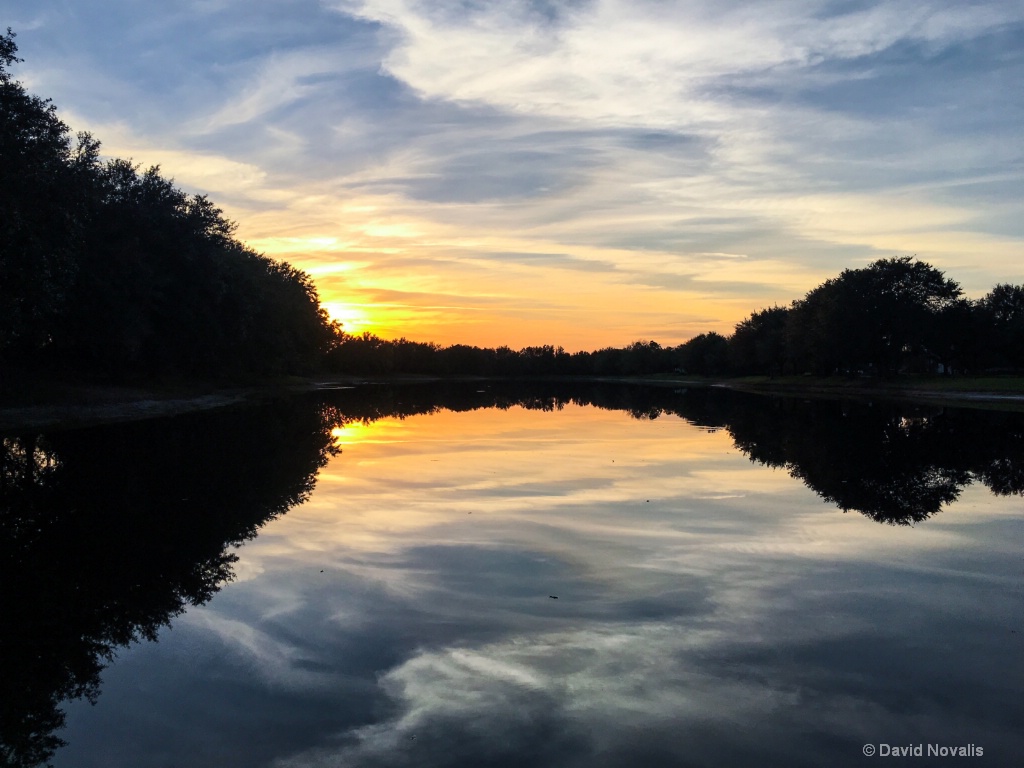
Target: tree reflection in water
(108,533)
(896,463)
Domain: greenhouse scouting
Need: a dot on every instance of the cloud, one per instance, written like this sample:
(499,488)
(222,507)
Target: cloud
(633,137)
(550,260)
(647,62)
(668,693)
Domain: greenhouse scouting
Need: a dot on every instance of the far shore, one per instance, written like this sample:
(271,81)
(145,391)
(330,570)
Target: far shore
(961,390)
(68,405)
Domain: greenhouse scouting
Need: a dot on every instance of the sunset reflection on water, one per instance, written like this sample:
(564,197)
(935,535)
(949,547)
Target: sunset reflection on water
(517,586)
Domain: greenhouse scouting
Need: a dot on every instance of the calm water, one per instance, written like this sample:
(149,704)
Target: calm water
(607,577)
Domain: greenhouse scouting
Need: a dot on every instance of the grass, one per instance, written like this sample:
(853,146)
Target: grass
(1010,385)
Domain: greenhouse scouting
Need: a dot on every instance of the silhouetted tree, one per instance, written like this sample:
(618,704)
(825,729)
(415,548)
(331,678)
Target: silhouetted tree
(758,345)
(44,182)
(111,270)
(876,317)
(1002,313)
(706,354)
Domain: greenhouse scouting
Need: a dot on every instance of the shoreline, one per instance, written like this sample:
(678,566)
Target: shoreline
(73,406)
(906,391)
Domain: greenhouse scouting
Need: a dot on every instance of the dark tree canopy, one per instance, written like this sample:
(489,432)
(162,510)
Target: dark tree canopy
(897,315)
(1002,318)
(877,317)
(706,353)
(42,204)
(758,345)
(110,269)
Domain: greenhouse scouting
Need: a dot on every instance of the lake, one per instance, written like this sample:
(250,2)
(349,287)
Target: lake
(494,575)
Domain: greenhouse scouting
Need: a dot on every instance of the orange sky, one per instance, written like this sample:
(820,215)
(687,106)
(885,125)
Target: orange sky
(587,175)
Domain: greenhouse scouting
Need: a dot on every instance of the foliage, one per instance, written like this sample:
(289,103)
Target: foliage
(707,353)
(110,269)
(1002,317)
(758,345)
(897,315)
(876,318)
(41,196)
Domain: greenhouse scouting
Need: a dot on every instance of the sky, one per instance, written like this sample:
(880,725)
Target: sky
(584,173)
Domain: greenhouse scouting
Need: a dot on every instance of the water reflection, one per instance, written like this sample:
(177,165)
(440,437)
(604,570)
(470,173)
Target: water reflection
(706,611)
(896,463)
(108,533)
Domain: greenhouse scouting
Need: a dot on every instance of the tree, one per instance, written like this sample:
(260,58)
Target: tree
(43,187)
(758,345)
(110,269)
(1002,315)
(879,316)
(706,354)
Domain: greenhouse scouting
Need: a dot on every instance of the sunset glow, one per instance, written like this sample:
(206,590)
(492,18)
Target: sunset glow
(354,319)
(578,174)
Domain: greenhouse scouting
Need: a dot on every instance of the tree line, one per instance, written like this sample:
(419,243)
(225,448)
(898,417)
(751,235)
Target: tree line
(109,269)
(894,316)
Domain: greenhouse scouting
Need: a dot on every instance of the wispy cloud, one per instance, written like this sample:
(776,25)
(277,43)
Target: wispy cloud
(636,138)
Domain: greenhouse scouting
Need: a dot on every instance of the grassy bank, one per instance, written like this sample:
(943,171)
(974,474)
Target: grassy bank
(986,391)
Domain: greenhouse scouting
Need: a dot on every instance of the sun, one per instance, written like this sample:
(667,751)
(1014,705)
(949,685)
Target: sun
(354,319)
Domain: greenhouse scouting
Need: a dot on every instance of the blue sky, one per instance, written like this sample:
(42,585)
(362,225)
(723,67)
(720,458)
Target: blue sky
(582,173)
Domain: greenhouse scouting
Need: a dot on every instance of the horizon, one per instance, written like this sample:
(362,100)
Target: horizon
(583,174)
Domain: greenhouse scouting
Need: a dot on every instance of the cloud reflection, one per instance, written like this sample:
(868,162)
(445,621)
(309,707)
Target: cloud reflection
(706,610)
